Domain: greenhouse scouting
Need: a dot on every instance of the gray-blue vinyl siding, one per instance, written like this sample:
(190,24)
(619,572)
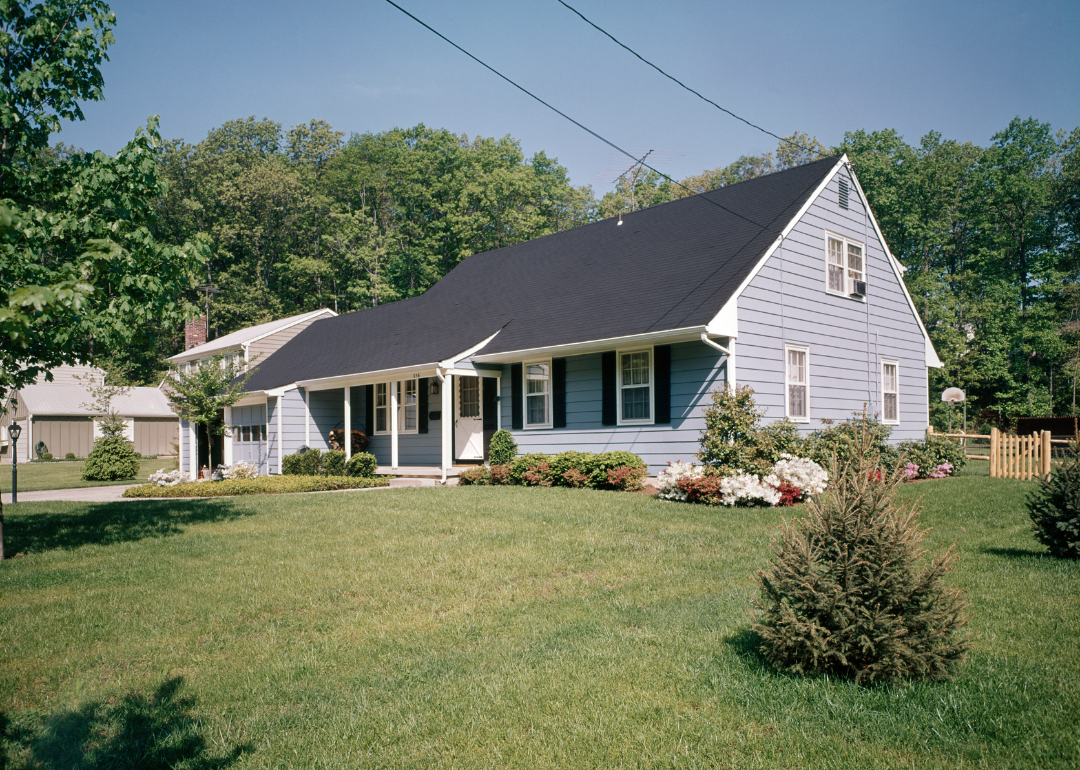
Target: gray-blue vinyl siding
(787,303)
(250,451)
(696,369)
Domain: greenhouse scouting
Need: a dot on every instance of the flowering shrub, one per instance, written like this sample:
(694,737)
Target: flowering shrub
(575,478)
(539,475)
(478,476)
(500,475)
(910,471)
(668,482)
(168,478)
(747,489)
(625,479)
(941,471)
(239,470)
(791,480)
(800,472)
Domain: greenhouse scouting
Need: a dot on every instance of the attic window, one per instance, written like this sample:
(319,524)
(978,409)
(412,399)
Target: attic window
(844,193)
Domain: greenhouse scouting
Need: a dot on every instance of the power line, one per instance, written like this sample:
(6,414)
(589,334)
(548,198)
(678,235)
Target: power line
(637,161)
(679,82)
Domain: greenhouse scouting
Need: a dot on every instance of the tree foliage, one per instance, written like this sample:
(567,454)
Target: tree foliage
(1055,507)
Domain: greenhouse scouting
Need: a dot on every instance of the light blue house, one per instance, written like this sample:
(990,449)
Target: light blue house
(611,336)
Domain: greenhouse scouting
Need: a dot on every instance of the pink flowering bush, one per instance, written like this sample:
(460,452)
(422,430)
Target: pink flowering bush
(791,480)
(941,471)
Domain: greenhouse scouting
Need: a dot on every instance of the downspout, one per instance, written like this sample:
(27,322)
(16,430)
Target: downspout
(442,428)
(730,357)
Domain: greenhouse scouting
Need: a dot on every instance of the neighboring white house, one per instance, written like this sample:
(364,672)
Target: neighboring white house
(253,344)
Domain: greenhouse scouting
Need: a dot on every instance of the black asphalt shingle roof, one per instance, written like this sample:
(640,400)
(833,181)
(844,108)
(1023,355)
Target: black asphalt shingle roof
(667,267)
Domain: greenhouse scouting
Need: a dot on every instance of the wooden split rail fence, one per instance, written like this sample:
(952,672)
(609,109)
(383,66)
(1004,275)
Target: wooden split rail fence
(1012,457)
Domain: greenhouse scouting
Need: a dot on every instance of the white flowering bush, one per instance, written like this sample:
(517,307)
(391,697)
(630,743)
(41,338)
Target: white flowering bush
(747,489)
(164,478)
(791,480)
(239,470)
(667,482)
(799,472)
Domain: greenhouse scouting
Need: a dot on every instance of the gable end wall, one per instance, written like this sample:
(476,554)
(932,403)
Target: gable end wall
(787,302)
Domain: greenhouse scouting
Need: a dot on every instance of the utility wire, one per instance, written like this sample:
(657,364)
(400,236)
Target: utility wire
(637,161)
(679,82)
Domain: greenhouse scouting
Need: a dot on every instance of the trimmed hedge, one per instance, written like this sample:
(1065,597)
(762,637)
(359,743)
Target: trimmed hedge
(609,470)
(263,485)
(362,465)
(314,462)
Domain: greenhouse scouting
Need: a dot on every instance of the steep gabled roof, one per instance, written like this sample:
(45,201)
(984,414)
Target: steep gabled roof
(57,400)
(669,267)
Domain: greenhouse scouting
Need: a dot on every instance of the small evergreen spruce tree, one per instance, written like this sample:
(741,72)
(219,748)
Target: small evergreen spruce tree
(1055,508)
(848,594)
(113,457)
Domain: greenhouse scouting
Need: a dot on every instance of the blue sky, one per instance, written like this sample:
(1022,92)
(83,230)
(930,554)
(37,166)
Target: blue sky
(964,69)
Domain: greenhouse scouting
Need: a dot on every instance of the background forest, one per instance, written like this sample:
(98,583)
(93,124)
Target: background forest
(304,218)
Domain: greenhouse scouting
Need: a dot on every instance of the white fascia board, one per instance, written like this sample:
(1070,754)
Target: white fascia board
(195,354)
(306,317)
(726,322)
(449,363)
(364,378)
(931,355)
(685,334)
(252,399)
(275,392)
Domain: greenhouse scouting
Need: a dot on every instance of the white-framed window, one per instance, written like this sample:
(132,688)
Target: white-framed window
(844,264)
(537,394)
(382,407)
(408,406)
(635,387)
(797,393)
(890,392)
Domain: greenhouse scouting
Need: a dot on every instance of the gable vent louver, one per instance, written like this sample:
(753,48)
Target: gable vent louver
(844,193)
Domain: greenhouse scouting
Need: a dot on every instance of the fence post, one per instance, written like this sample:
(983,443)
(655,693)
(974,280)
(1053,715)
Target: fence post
(1045,470)
(929,430)
(994,438)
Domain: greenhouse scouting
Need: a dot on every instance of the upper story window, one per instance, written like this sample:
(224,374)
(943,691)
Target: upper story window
(538,395)
(798,383)
(890,392)
(844,266)
(635,387)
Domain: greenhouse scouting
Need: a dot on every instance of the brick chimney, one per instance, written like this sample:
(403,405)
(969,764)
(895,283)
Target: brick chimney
(195,333)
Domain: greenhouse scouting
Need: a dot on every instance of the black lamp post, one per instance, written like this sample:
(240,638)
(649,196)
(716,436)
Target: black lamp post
(14,431)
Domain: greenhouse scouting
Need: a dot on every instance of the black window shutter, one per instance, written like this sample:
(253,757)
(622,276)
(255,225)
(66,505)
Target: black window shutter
(662,385)
(369,409)
(422,405)
(558,392)
(490,397)
(609,408)
(517,412)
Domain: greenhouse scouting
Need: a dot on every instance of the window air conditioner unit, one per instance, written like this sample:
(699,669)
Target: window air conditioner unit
(858,288)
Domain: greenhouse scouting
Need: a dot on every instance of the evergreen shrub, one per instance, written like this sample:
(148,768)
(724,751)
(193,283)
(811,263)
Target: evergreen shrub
(1054,508)
(503,448)
(841,439)
(113,457)
(47,456)
(306,462)
(69,456)
(848,594)
(362,465)
(333,463)
(622,471)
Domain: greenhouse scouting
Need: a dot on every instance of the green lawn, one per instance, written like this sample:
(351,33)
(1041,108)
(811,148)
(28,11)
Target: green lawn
(68,475)
(506,627)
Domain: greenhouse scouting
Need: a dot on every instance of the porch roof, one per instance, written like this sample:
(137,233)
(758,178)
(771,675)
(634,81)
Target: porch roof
(669,267)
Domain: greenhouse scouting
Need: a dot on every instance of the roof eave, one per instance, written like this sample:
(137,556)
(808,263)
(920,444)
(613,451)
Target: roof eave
(667,336)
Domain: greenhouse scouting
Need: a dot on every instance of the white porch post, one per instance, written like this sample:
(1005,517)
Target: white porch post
(194,438)
(348,424)
(307,417)
(447,424)
(227,439)
(181,442)
(280,436)
(731,365)
(393,387)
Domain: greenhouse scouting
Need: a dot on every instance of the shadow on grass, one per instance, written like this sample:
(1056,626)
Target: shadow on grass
(1015,553)
(111,523)
(155,730)
(746,644)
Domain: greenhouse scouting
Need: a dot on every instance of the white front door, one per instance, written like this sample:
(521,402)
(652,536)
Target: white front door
(469,420)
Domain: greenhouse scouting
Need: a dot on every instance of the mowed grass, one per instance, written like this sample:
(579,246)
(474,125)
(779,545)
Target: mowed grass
(68,475)
(494,627)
